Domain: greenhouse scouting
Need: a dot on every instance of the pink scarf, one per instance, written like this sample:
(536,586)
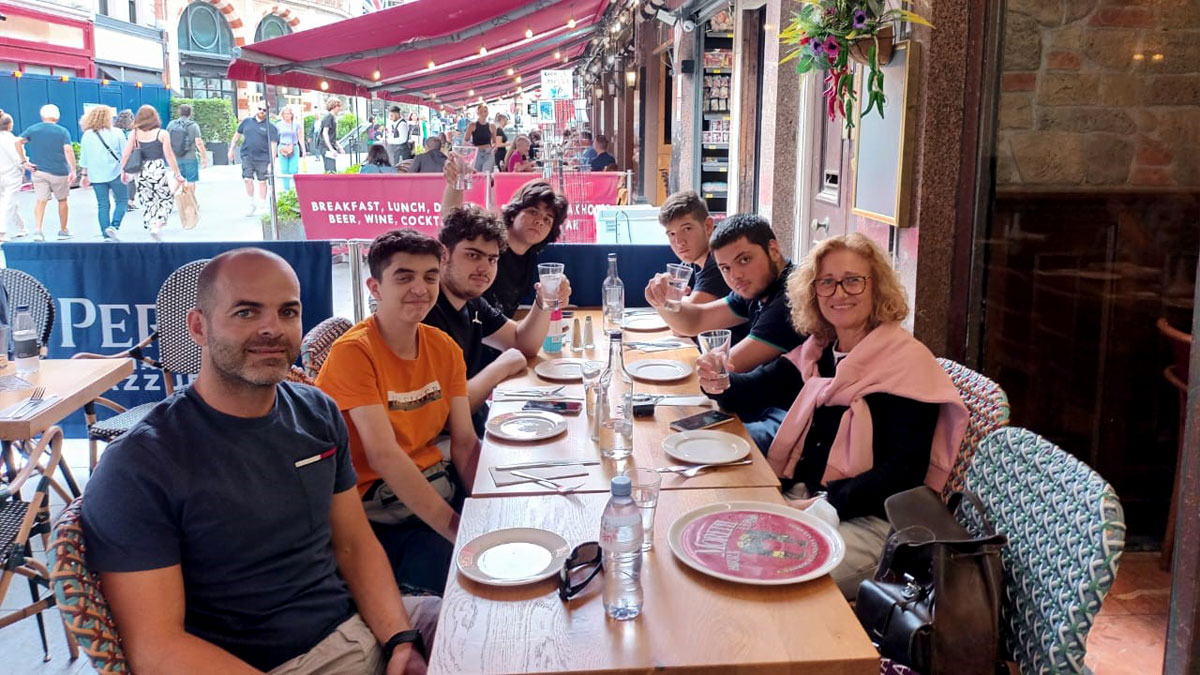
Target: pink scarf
(889,359)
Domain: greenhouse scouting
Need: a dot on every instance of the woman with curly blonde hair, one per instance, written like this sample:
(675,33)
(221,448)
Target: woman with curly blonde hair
(100,150)
(875,415)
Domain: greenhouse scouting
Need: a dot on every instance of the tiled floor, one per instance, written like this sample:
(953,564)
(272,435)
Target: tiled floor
(1127,639)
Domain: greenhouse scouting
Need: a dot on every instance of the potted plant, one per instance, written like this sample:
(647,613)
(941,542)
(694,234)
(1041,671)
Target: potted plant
(826,34)
(287,212)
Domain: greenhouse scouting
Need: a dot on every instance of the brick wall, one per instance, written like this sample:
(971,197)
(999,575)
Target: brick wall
(1100,93)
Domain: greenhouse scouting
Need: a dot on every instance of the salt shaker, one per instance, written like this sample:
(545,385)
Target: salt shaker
(588,333)
(576,336)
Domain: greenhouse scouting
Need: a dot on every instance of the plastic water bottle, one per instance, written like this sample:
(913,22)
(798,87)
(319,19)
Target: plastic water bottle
(621,540)
(613,297)
(26,350)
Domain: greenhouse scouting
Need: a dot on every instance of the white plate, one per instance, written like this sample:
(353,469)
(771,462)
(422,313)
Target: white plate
(658,370)
(706,446)
(645,322)
(567,370)
(758,543)
(518,555)
(526,425)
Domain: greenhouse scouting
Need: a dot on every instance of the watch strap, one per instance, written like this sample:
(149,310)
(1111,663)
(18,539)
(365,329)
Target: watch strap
(411,636)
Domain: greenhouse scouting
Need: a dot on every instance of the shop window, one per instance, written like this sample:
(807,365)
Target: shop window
(133,13)
(104,7)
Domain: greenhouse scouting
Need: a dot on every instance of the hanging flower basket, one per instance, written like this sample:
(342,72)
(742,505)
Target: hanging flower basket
(826,34)
(884,43)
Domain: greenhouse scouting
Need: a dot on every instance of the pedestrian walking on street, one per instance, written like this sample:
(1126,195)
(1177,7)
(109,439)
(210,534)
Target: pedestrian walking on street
(190,152)
(154,188)
(125,124)
(291,145)
(260,144)
(12,175)
(100,150)
(327,142)
(482,135)
(52,161)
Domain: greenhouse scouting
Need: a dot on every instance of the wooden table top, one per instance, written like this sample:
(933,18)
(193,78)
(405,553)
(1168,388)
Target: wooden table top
(690,622)
(74,381)
(648,433)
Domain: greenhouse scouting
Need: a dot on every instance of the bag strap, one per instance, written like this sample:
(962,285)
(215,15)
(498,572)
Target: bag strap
(955,502)
(110,150)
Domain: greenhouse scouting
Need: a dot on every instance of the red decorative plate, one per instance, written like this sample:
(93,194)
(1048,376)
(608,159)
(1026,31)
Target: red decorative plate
(756,543)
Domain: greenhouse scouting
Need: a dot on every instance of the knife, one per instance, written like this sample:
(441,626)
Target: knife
(546,483)
(547,463)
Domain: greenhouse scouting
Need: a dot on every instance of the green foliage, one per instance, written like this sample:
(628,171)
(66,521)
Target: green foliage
(820,36)
(214,115)
(310,121)
(287,208)
(346,124)
(77,148)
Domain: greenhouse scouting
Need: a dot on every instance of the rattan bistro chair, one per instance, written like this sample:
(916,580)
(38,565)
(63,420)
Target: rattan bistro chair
(21,519)
(177,355)
(24,289)
(314,348)
(987,411)
(77,589)
(1066,534)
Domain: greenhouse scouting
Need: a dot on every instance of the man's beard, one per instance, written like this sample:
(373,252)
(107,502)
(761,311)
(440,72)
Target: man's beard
(466,293)
(230,361)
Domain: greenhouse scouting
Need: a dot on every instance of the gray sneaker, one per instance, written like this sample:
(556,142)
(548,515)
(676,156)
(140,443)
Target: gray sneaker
(65,234)
(111,233)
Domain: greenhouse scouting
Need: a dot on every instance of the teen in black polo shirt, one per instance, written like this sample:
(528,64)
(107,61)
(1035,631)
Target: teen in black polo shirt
(474,242)
(748,255)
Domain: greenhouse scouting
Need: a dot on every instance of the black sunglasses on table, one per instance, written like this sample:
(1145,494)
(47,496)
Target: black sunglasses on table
(579,569)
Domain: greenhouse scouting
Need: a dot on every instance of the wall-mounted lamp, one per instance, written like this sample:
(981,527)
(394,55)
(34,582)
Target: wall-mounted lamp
(631,78)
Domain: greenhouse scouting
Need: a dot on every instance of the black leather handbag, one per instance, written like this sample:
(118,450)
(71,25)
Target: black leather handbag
(133,165)
(934,604)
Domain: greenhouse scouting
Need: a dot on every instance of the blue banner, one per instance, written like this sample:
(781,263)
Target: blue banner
(104,296)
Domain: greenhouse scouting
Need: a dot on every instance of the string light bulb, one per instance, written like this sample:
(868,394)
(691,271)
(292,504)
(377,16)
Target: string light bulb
(510,72)
(432,65)
(518,79)
(324,85)
(375,76)
(557,54)
(528,33)
(470,92)
(483,50)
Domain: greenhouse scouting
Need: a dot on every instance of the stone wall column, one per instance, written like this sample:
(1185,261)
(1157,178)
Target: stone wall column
(684,134)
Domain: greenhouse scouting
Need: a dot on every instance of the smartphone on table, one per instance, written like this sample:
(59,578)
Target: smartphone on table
(703,420)
(560,407)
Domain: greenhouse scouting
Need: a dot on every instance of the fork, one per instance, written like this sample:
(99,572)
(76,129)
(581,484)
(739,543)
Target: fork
(39,395)
(692,471)
(546,482)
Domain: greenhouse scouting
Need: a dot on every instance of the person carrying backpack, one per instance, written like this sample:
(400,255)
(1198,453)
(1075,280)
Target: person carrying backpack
(189,148)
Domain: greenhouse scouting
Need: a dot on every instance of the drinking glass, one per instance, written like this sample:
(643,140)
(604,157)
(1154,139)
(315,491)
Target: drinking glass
(464,157)
(646,483)
(591,388)
(551,275)
(680,276)
(716,342)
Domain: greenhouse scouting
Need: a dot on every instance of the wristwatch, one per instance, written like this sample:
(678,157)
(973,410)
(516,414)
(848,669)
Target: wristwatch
(412,636)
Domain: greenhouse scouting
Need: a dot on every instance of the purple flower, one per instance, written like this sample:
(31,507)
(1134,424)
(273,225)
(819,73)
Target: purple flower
(860,19)
(817,47)
(832,47)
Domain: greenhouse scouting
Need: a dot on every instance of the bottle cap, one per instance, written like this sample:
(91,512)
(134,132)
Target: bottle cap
(615,335)
(622,486)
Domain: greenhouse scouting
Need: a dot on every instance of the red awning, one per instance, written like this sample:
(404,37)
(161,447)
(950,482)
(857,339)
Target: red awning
(430,52)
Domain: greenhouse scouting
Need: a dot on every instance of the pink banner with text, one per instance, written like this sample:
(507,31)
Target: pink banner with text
(585,191)
(349,206)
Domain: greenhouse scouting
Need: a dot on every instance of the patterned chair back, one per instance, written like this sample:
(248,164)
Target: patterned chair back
(176,297)
(24,289)
(987,408)
(314,348)
(77,592)
(1066,533)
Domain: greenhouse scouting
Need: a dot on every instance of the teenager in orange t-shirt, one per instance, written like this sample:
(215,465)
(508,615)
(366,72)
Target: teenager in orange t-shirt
(399,384)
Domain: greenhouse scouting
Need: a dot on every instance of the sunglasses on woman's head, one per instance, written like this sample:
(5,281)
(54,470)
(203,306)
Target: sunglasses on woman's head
(579,569)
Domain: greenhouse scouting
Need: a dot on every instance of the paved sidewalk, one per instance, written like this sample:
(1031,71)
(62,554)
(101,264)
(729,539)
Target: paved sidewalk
(223,208)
